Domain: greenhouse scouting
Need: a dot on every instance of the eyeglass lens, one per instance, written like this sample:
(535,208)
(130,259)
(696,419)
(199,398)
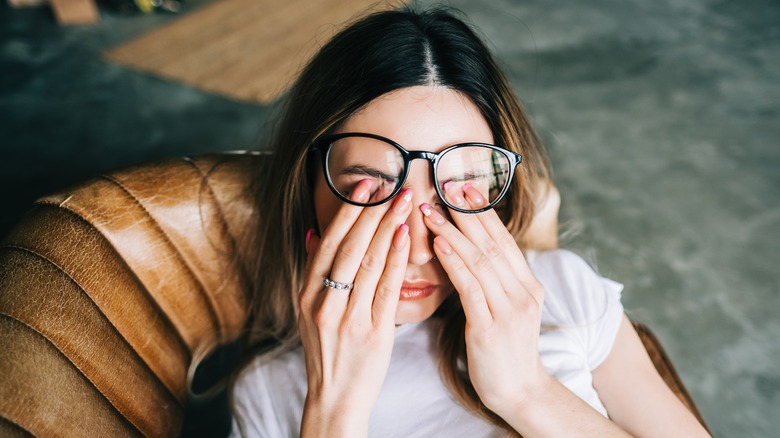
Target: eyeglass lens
(353,159)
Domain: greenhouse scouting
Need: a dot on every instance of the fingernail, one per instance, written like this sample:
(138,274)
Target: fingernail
(442,244)
(432,214)
(362,191)
(473,194)
(401,237)
(308,235)
(453,194)
(403,200)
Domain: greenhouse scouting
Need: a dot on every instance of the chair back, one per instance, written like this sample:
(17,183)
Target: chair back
(110,291)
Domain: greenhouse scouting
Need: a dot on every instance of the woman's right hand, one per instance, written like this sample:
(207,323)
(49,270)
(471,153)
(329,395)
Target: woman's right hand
(348,336)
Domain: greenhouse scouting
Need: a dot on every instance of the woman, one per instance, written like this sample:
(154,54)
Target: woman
(392,298)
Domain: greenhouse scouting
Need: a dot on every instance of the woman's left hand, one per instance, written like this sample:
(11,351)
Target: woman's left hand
(501,298)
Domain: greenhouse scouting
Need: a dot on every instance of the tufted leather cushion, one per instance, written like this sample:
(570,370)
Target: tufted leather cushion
(111,291)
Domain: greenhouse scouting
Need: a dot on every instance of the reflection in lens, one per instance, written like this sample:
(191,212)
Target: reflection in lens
(484,168)
(353,159)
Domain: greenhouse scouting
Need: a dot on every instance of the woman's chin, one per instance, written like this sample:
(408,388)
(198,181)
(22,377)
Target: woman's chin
(418,308)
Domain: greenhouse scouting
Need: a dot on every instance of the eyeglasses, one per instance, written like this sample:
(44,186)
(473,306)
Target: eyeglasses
(349,158)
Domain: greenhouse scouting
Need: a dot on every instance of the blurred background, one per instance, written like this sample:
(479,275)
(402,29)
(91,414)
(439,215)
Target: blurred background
(662,119)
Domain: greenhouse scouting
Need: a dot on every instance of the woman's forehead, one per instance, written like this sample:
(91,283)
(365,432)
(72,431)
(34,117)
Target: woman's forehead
(422,118)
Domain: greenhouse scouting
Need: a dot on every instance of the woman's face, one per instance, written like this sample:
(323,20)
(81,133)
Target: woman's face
(427,118)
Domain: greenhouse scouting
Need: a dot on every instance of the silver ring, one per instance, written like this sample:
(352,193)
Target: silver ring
(336,285)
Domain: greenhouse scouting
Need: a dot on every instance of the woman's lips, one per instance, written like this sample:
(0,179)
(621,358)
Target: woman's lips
(416,290)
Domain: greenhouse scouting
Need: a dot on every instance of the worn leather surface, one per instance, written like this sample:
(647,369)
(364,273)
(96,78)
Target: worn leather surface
(112,290)
(109,291)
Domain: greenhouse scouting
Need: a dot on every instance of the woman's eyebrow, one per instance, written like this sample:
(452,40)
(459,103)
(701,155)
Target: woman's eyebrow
(467,176)
(366,170)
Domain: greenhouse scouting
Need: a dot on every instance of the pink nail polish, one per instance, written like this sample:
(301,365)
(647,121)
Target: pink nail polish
(476,196)
(362,191)
(434,216)
(453,195)
(403,200)
(308,235)
(443,246)
(401,237)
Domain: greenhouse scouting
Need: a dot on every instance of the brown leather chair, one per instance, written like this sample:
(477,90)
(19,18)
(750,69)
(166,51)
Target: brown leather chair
(111,291)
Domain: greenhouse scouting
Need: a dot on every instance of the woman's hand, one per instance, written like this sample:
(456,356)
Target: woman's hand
(503,302)
(348,336)
(501,298)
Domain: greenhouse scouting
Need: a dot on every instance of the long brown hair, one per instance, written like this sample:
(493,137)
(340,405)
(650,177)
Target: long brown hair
(377,54)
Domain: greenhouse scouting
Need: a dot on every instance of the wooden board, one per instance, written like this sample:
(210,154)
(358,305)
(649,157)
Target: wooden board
(248,50)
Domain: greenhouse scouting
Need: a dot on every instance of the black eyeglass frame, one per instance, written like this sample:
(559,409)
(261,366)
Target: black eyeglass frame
(323,144)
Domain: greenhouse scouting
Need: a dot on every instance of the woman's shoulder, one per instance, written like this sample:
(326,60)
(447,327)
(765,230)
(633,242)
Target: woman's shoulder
(560,265)
(575,294)
(579,305)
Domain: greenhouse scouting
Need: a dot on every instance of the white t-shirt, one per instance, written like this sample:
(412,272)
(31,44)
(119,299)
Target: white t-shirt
(581,315)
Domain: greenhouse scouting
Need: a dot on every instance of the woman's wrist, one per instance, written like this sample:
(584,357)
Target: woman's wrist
(522,400)
(321,418)
(537,413)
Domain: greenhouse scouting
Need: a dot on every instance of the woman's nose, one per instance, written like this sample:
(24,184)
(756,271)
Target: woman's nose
(420,237)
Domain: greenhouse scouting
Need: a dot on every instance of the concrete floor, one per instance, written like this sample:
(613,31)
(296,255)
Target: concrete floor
(661,118)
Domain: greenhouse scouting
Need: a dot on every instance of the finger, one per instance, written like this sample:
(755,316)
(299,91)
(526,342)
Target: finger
(475,261)
(312,299)
(504,241)
(353,247)
(305,296)
(306,327)
(337,229)
(474,228)
(322,310)
(373,263)
(323,250)
(388,291)
(470,290)
(382,192)
(354,244)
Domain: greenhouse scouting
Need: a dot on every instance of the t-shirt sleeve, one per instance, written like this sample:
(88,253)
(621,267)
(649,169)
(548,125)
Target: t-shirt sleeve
(253,409)
(579,299)
(602,334)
